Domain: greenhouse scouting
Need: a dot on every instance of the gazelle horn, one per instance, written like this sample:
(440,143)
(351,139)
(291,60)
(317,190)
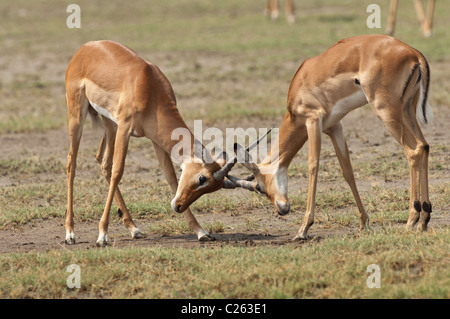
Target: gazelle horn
(245,159)
(241,182)
(228,184)
(225,169)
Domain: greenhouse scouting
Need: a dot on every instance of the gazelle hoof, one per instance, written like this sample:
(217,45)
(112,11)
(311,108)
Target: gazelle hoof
(101,243)
(70,238)
(70,241)
(300,237)
(102,240)
(206,237)
(137,234)
(422,227)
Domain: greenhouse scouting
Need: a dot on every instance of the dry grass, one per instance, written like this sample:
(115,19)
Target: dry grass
(228,65)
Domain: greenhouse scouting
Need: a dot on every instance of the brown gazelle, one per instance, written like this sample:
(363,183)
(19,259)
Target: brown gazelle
(131,97)
(376,69)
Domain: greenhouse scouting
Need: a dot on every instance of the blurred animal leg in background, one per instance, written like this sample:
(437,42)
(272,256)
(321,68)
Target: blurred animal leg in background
(426,22)
(273,11)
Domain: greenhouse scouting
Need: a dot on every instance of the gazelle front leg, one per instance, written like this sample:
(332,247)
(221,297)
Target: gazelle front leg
(120,152)
(314,129)
(169,172)
(75,136)
(77,105)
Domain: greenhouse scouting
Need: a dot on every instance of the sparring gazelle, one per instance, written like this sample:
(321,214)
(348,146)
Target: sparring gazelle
(377,69)
(129,96)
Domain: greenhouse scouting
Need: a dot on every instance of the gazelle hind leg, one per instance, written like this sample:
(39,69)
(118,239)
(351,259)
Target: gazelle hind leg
(120,152)
(77,108)
(403,126)
(105,158)
(414,150)
(423,150)
(417,150)
(169,172)
(336,134)
(424,193)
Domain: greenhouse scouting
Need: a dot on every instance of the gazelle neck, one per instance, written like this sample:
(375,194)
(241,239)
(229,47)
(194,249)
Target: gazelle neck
(288,142)
(170,132)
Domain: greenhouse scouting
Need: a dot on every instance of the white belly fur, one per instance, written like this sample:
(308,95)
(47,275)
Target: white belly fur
(103,111)
(342,107)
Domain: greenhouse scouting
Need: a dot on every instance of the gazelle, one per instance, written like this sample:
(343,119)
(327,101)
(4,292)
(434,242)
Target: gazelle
(376,69)
(131,97)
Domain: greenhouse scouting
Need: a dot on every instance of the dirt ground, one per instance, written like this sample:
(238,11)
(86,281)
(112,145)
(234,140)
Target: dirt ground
(366,138)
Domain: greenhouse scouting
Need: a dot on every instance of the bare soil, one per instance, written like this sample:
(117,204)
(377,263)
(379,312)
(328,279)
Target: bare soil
(366,137)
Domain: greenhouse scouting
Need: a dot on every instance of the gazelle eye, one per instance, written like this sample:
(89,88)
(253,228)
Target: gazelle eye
(258,190)
(202,180)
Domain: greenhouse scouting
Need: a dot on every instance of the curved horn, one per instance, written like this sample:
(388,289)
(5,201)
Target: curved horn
(250,177)
(241,183)
(228,184)
(225,169)
(250,147)
(245,158)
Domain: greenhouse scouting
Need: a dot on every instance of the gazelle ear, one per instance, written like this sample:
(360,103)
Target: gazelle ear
(200,152)
(223,171)
(222,158)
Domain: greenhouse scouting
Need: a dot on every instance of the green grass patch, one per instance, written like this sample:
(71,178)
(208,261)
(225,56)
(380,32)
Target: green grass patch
(412,265)
(30,166)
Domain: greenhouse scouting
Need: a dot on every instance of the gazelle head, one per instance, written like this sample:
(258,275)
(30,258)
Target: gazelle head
(205,176)
(198,179)
(266,179)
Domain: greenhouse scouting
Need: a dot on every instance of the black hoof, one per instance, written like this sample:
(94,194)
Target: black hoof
(70,241)
(102,243)
(205,238)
